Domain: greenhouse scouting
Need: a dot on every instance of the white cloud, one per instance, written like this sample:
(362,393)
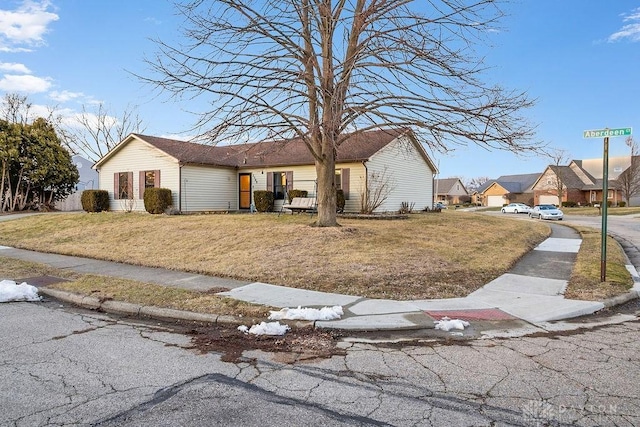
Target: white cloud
(631,30)
(24,83)
(65,95)
(73,119)
(14,68)
(153,20)
(25,25)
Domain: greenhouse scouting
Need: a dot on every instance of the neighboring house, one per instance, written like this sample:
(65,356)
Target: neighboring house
(451,191)
(582,182)
(221,178)
(88,181)
(507,189)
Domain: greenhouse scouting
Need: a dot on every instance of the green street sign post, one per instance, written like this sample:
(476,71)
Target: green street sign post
(606,134)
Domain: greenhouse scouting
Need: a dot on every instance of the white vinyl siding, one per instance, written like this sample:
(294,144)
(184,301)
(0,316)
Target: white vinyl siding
(408,175)
(356,185)
(134,157)
(209,189)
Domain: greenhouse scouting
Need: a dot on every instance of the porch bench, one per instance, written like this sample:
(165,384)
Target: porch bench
(301,204)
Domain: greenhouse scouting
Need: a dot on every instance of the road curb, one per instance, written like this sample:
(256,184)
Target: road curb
(159,313)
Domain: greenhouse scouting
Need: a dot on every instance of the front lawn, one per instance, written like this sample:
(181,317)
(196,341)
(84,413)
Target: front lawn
(435,255)
(429,255)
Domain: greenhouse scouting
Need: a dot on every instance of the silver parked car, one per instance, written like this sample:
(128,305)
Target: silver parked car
(516,208)
(546,212)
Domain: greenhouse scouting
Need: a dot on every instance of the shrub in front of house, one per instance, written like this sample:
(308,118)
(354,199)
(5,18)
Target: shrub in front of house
(297,193)
(622,204)
(263,200)
(157,200)
(95,200)
(569,204)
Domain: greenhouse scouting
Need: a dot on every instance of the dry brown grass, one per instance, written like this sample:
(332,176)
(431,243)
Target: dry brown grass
(109,288)
(427,256)
(585,281)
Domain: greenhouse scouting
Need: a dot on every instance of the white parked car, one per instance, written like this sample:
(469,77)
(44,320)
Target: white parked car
(516,208)
(546,212)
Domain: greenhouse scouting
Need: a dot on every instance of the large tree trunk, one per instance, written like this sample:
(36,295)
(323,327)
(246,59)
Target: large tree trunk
(325,171)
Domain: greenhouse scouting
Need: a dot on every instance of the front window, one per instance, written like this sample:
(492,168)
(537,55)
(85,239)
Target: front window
(279,185)
(149,179)
(338,179)
(123,185)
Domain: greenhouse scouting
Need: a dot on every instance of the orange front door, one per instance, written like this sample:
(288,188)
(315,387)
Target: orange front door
(245,191)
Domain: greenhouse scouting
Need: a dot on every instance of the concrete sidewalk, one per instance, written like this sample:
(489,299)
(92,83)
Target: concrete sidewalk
(532,291)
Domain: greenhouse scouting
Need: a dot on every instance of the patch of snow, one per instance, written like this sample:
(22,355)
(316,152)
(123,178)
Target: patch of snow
(447,324)
(11,291)
(264,328)
(325,313)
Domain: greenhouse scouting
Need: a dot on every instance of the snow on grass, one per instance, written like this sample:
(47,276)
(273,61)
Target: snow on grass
(447,324)
(325,313)
(11,291)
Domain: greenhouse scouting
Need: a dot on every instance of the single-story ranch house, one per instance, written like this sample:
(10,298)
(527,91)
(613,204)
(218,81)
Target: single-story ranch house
(507,189)
(224,177)
(451,191)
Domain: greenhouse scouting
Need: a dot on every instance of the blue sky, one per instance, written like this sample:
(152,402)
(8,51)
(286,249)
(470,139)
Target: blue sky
(580,60)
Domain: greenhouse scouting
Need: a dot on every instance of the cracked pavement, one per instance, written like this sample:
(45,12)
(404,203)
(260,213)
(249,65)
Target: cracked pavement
(64,366)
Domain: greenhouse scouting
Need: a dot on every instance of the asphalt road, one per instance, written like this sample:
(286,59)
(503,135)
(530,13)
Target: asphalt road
(625,229)
(62,366)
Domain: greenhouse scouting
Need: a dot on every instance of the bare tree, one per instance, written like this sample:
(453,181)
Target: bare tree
(93,133)
(474,184)
(379,186)
(318,69)
(558,158)
(629,181)
(15,108)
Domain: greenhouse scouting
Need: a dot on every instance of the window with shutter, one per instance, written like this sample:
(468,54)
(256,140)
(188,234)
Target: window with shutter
(123,185)
(280,183)
(342,181)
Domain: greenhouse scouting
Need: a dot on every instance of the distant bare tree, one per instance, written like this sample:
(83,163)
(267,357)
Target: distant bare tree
(318,69)
(558,159)
(629,181)
(94,132)
(474,184)
(15,108)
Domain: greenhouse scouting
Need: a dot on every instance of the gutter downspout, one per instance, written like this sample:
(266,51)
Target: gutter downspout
(180,187)
(366,184)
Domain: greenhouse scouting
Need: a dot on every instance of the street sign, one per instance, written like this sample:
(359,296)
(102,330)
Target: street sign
(606,133)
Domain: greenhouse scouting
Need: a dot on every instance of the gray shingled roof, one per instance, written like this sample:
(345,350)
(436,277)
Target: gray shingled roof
(444,185)
(356,147)
(516,184)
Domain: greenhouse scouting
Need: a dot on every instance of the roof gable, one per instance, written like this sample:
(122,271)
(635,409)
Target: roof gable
(445,185)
